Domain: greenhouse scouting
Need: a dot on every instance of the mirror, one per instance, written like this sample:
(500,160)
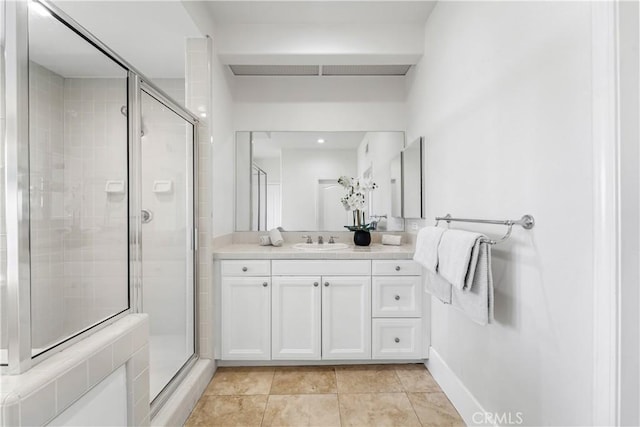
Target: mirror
(290,179)
(413,185)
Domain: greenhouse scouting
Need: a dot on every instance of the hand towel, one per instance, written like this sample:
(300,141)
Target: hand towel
(477,301)
(457,257)
(389,239)
(427,242)
(276,237)
(265,241)
(438,287)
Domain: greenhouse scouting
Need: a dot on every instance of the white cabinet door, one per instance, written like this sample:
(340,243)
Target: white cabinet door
(346,317)
(246,318)
(296,318)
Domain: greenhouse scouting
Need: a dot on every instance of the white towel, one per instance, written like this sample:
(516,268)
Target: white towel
(265,241)
(457,257)
(477,301)
(276,237)
(427,242)
(438,287)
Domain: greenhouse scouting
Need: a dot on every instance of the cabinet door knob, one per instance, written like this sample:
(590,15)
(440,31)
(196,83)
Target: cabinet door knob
(397,340)
(315,284)
(397,297)
(326,283)
(244,268)
(397,268)
(265,284)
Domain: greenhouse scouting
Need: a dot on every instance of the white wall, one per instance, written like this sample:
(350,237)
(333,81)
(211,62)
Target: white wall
(503,97)
(319,103)
(223,146)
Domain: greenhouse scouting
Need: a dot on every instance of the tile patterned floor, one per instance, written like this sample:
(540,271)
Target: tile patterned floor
(358,395)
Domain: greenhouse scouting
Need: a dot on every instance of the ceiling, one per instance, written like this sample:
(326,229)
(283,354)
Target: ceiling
(321,38)
(55,47)
(320,12)
(150,35)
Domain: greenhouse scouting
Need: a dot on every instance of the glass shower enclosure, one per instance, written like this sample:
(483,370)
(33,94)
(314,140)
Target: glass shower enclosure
(98,208)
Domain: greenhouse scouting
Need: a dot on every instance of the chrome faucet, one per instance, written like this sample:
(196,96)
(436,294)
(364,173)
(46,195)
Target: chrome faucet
(375,219)
(309,241)
(332,239)
(320,240)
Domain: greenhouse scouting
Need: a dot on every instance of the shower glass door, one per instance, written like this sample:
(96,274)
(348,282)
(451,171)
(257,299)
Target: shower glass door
(167,238)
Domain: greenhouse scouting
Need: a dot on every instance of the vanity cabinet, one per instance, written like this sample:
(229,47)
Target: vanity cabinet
(321,310)
(246,310)
(321,316)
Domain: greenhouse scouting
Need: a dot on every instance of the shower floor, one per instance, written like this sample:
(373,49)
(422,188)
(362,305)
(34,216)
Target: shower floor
(167,354)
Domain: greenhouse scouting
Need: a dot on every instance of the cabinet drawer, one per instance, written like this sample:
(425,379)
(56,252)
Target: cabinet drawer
(321,267)
(246,268)
(397,296)
(396,338)
(396,268)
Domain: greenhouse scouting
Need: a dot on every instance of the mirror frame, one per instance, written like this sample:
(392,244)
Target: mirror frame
(421,144)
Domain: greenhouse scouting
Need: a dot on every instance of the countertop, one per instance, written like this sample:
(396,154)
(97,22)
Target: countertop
(287,251)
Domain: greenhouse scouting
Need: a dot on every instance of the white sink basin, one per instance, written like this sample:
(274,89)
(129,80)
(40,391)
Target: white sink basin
(322,247)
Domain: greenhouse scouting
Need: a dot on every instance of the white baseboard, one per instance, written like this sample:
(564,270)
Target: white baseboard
(179,406)
(464,402)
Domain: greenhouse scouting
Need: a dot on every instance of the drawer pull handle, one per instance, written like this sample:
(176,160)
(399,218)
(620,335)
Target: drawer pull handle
(397,297)
(315,284)
(265,284)
(397,268)
(326,283)
(397,339)
(244,269)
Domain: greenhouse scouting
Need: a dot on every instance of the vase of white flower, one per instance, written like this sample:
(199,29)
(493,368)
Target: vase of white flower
(354,200)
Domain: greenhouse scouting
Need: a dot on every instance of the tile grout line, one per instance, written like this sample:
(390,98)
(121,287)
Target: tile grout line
(404,388)
(266,403)
(335,374)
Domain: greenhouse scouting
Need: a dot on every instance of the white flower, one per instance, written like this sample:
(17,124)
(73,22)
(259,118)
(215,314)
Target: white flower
(356,189)
(345,181)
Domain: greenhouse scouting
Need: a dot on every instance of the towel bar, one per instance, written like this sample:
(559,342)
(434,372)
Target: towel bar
(527,222)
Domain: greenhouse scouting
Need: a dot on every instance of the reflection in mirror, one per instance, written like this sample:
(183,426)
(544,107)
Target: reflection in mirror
(413,180)
(290,179)
(78,182)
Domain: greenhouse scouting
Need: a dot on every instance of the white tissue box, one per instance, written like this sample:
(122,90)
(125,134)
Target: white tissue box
(389,239)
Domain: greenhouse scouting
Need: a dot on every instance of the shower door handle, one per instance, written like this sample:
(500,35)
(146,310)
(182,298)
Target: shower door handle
(146,215)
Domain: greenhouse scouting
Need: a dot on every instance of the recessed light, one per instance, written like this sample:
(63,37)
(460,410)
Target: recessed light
(320,141)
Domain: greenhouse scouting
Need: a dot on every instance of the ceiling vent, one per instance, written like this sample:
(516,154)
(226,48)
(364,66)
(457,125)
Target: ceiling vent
(275,70)
(365,70)
(320,70)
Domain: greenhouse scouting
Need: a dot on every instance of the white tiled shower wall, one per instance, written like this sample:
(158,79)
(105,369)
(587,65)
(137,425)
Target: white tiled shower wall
(46,152)
(78,141)
(198,98)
